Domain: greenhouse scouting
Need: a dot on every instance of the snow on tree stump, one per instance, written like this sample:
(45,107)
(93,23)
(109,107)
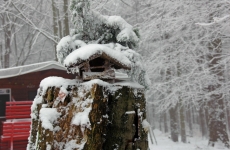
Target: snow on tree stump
(94,115)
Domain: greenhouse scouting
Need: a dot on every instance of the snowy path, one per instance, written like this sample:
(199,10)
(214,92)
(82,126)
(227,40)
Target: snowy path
(165,143)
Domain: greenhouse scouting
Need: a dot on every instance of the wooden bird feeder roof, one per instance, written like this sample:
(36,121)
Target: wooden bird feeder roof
(103,55)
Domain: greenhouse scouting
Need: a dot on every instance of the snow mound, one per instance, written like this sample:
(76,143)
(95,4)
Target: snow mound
(57,82)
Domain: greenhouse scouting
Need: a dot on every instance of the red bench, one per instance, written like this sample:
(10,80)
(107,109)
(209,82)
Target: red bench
(18,109)
(15,130)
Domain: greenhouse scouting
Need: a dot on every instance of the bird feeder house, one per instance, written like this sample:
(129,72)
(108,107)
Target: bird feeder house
(98,66)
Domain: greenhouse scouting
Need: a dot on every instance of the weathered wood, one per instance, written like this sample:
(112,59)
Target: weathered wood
(109,74)
(107,65)
(87,67)
(95,67)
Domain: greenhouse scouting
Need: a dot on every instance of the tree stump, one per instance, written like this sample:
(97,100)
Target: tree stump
(88,117)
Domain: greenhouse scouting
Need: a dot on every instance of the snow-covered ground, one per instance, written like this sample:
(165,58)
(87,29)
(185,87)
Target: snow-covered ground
(194,143)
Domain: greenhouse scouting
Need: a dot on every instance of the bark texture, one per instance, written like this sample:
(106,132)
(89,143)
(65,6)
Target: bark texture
(115,119)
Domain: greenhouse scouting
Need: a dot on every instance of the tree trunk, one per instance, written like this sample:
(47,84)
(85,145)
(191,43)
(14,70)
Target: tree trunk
(206,118)
(7,42)
(1,57)
(193,116)
(59,24)
(173,124)
(189,118)
(202,122)
(217,125)
(55,24)
(66,18)
(182,125)
(165,123)
(217,122)
(160,122)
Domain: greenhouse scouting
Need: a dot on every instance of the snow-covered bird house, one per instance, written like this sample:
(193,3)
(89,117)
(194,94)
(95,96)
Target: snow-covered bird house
(98,65)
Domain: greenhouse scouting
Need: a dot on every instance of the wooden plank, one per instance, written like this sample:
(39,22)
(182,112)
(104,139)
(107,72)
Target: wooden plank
(17,112)
(18,117)
(26,110)
(21,128)
(16,123)
(19,137)
(109,74)
(95,67)
(82,63)
(19,102)
(15,131)
(18,107)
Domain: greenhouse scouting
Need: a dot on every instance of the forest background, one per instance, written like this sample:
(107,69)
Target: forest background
(185,47)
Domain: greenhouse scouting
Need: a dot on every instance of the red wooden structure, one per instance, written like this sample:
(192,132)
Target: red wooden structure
(15,130)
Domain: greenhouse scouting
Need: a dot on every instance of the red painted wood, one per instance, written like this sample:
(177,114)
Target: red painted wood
(20,103)
(18,110)
(16,130)
(17,145)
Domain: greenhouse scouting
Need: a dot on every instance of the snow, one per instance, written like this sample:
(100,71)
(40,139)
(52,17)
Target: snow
(126,30)
(129,112)
(48,117)
(82,119)
(72,145)
(111,85)
(87,51)
(66,45)
(165,143)
(95,81)
(129,84)
(57,82)
(145,125)
(20,70)
(126,33)
(216,20)
(37,100)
